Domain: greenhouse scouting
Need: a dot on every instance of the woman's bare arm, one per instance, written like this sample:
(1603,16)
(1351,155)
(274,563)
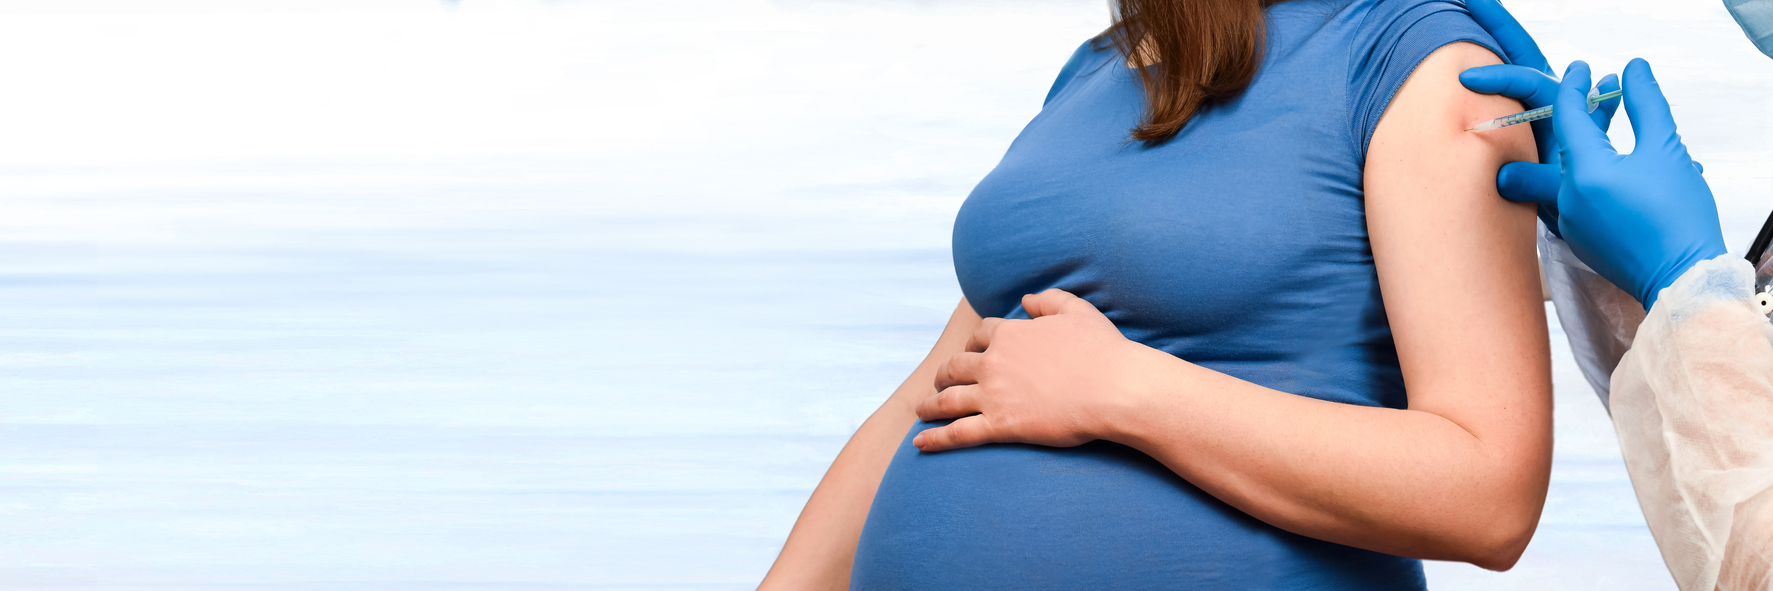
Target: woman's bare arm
(822,546)
(1459,475)
(1462,473)
(1458,269)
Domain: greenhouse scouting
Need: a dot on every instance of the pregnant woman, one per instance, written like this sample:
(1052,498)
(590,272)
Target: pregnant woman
(1243,311)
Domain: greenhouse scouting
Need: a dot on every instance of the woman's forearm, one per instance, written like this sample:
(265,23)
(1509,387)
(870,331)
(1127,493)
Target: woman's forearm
(1460,476)
(822,545)
(1403,482)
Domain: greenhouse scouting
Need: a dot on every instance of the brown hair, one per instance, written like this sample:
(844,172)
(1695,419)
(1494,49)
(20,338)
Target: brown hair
(1196,53)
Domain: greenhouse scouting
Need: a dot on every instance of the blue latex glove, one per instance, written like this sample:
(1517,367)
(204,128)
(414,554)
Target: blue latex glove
(1530,182)
(1642,219)
(1528,80)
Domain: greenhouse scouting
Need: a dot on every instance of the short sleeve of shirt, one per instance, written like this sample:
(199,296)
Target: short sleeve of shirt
(1394,38)
(1074,67)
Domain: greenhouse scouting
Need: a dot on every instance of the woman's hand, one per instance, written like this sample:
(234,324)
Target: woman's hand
(1056,379)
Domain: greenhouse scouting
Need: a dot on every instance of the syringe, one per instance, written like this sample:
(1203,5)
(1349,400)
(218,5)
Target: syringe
(1594,101)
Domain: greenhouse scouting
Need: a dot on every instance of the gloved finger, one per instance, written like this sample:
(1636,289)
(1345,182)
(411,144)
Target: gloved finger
(1578,135)
(963,432)
(1699,167)
(1516,44)
(957,401)
(1603,114)
(1648,109)
(1527,85)
(1529,182)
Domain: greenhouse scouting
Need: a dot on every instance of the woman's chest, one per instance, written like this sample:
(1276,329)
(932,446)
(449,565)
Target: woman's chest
(1178,254)
(1244,217)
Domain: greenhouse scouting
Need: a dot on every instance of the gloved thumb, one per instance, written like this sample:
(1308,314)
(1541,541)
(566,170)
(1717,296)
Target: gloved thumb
(1577,132)
(1648,109)
(1529,182)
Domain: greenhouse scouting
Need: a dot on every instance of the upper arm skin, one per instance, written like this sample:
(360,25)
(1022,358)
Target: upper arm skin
(1458,272)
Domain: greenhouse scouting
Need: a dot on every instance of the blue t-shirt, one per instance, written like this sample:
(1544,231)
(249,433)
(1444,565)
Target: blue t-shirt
(1240,245)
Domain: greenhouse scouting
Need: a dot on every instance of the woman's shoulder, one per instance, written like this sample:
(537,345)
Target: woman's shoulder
(1380,19)
(1374,28)
(1371,19)
(1088,57)
(1392,38)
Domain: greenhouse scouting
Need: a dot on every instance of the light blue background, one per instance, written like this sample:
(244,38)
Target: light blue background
(579,295)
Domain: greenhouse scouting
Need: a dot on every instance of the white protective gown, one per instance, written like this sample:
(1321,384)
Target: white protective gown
(1690,389)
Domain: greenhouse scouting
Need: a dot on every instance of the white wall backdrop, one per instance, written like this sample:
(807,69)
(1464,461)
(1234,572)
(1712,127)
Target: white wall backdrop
(408,294)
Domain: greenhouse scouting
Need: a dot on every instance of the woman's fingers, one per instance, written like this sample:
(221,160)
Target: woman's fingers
(959,370)
(956,401)
(963,432)
(1054,301)
(981,338)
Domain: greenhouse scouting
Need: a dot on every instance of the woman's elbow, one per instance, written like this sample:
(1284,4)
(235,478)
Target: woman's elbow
(1500,537)
(1490,524)
(1502,553)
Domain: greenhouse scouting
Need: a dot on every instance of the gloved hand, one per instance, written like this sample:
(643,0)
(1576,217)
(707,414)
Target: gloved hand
(1642,219)
(1529,182)
(1528,80)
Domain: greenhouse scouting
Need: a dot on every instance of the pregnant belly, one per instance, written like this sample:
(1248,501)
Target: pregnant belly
(1097,516)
